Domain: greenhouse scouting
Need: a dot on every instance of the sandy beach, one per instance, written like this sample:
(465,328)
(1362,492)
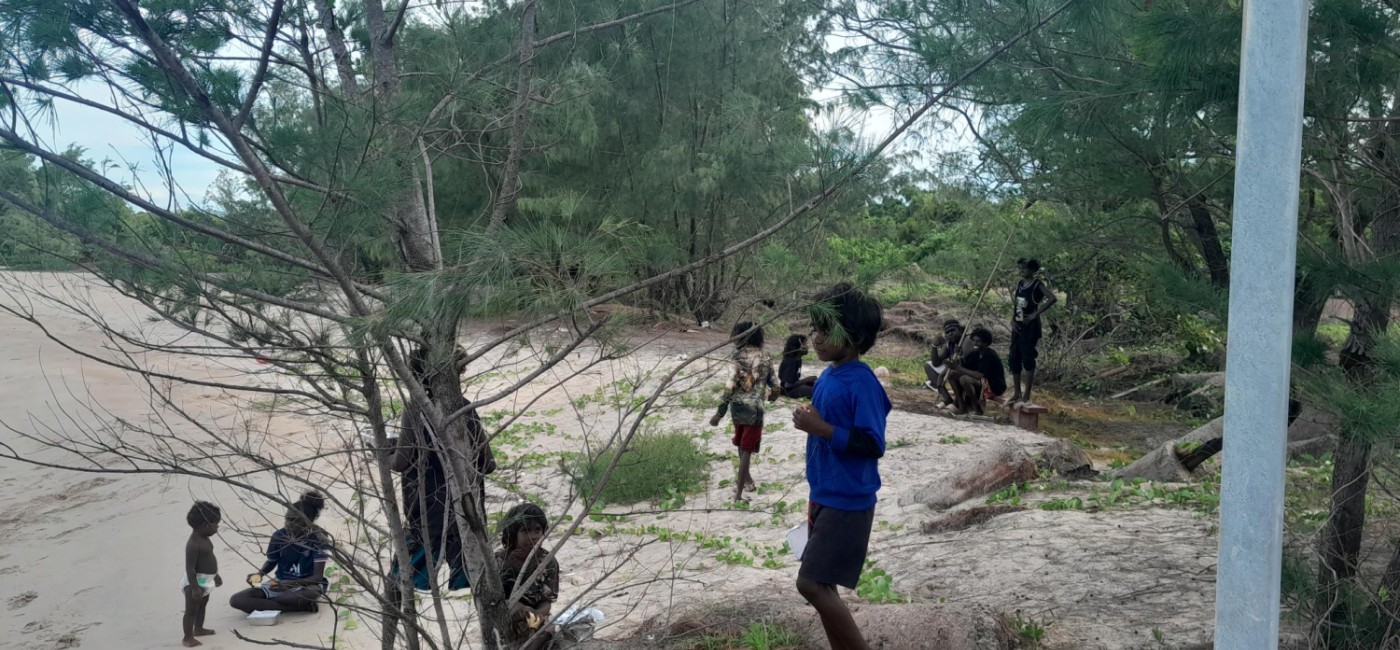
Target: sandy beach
(94,560)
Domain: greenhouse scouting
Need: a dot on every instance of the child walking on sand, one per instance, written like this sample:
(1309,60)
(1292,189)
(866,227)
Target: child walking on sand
(846,438)
(201,569)
(743,398)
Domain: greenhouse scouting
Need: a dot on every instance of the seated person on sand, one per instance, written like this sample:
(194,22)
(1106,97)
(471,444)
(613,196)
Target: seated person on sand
(298,553)
(522,530)
(945,348)
(978,376)
(791,381)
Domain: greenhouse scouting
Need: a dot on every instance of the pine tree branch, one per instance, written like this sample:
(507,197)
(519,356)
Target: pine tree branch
(143,124)
(145,262)
(607,24)
(124,194)
(264,58)
(172,66)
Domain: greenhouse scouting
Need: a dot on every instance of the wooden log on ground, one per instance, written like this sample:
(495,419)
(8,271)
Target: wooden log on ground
(1310,431)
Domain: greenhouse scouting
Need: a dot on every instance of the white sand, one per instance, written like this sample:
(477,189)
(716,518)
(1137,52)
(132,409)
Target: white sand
(101,554)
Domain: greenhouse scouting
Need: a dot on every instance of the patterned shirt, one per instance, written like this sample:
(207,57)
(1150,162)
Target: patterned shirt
(751,385)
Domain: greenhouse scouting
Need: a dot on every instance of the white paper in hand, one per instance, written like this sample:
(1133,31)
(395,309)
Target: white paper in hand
(797,539)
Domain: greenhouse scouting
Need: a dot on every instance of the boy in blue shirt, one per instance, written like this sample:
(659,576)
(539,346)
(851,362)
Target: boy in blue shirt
(846,438)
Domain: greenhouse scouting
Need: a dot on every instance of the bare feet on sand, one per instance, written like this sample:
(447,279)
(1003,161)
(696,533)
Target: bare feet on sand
(191,642)
(203,632)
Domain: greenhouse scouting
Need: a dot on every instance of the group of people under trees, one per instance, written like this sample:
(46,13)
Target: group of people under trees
(964,369)
(292,579)
(844,423)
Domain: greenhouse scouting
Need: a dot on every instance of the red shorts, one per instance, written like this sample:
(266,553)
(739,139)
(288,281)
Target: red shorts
(748,436)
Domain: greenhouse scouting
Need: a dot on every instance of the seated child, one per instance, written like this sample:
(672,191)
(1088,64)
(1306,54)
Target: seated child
(936,369)
(522,530)
(743,398)
(790,379)
(952,345)
(978,376)
(296,557)
(201,569)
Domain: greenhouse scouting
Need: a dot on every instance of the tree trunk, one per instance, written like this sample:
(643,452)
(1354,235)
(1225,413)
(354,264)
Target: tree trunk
(1351,473)
(335,38)
(519,119)
(1341,541)
(416,238)
(1208,240)
(1390,602)
(1307,306)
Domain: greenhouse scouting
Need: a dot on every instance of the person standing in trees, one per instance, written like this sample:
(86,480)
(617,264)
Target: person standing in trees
(432,531)
(1032,297)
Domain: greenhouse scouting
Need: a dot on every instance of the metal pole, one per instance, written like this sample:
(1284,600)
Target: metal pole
(1262,261)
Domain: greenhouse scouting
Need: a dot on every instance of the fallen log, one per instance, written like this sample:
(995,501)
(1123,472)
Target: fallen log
(1310,432)
(1137,388)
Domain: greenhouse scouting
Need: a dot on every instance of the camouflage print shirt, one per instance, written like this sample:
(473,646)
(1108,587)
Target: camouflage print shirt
(750,386)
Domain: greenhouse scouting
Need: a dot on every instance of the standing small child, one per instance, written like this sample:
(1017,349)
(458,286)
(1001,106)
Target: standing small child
(846,438)
(743,398)
(201,569)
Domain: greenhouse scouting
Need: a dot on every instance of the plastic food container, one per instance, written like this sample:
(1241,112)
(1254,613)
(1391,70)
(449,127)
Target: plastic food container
(264,617)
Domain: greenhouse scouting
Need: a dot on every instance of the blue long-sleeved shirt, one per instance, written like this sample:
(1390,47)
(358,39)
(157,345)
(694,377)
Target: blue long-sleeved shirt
(843,472)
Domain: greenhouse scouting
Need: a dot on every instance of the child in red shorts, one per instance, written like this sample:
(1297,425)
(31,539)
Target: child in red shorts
(743,398)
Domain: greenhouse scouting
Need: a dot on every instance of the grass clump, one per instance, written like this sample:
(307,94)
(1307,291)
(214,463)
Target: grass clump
(759,635)
(655,467)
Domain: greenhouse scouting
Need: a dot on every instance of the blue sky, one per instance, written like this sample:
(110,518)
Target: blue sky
(107,138)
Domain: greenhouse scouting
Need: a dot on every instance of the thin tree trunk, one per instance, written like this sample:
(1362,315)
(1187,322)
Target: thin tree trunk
(1208,240)
(1307,306)
(1340,550)
(1341,541)
(519,120)
(335,38)
(1390,603)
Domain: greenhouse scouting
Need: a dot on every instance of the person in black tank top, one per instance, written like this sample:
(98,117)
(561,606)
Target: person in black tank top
(1031,297)
(790,380)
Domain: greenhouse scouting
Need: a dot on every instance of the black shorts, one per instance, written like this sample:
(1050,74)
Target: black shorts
(1023,348)
(837,541)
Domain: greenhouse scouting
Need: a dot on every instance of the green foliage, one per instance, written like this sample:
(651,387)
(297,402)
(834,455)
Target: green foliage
(877,587)
(657,466)
(1070,503)
(1028,628)
(1365,409)
(1010,494)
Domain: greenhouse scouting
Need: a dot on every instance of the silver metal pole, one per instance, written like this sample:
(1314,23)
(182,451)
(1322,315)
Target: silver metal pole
(1262,260)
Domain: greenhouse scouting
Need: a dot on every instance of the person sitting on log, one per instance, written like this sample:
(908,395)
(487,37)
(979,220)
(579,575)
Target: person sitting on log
(945,348)
(978,376)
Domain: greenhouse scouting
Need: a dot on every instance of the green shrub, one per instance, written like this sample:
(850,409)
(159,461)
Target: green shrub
(656,466)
